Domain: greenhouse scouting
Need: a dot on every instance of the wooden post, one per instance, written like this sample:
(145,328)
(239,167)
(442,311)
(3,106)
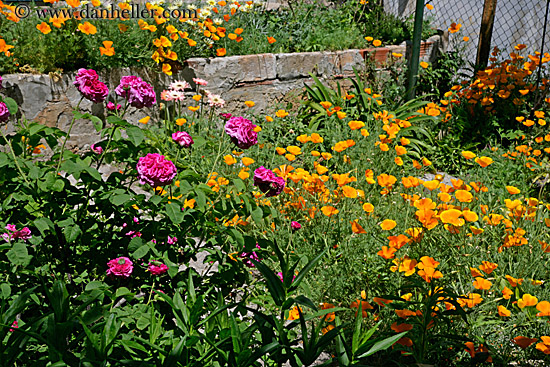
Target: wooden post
(415,54)
(485,33)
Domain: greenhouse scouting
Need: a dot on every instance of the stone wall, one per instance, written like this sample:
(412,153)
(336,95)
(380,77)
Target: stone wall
(265,79)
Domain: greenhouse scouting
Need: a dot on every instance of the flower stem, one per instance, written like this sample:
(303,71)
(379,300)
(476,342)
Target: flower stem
(67,138)
(15,159)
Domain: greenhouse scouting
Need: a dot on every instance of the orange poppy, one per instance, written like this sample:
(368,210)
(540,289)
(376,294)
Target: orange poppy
(388,224)
(387,252)
(356,228)
(488,267)
(329,211)
(481,283)
(503,311)
(544,308)
(523,342)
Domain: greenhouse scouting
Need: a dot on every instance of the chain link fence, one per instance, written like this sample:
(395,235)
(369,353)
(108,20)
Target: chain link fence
(515,22)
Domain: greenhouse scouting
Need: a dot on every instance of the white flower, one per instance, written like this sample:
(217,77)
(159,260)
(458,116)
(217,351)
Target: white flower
(191,7)
(179,85)
(217,21)
(212,2)
(233,6)
(215,100)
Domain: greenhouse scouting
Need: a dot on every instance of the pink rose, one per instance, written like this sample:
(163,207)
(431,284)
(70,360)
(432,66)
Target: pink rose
(88,84)
(84,76)
(295,225)
(138,93)
(120,267)
(157,268)
(247,256)
(182,138)
(4,112)
(23,234)
(241,132)
(267,182)
(155,170)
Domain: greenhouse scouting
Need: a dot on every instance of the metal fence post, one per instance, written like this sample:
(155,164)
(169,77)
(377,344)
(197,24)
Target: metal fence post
(415,54)
(485,33)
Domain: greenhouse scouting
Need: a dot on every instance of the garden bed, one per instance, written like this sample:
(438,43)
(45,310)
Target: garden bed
(265,79)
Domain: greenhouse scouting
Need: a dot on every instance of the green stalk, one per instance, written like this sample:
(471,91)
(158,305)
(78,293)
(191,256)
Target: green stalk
(67,138)
(15,159)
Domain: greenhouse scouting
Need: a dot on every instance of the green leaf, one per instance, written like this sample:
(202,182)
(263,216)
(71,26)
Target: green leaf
(174,212)
(18,255)
(383,344)
(273,282)
(140,252)
(257,215)
(97,123)
(155,199)
(122,291)
(134,244)
(43,224)
(117,121)
(239,184)
(237,236)
(11,104)
(305,270)
(135,135)
(5,290)
(120,199)
(71,233)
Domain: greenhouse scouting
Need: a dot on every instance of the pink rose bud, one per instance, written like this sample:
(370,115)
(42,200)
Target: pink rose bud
(183,139)
(96,149)
(111,106)
(295,225)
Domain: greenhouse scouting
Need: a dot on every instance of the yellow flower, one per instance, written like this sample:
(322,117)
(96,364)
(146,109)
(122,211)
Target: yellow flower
(356,125)
(484,161)
(167,69)
(281,113)
(376,43)
(369,39)
(247,161)
(145,119)
(249,103)
(513,190)
(424,64)
(527,300)
(468,155)
(44,28)
(87,28)
(108,50)
(388,224)
(293,149)
(368,207)
(181,121)
(243,174)
(229,160)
